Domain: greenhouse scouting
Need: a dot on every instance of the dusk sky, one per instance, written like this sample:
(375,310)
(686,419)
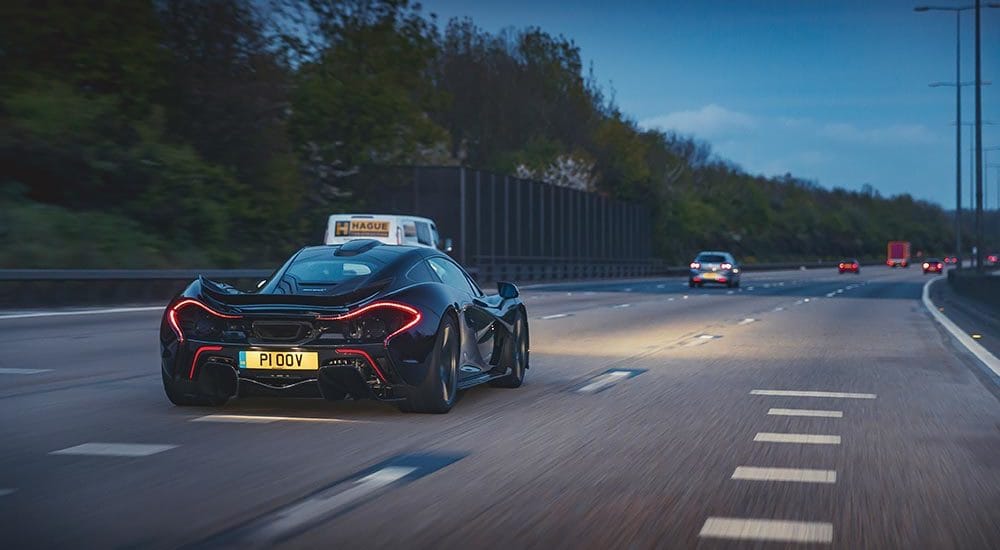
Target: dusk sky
(833,91)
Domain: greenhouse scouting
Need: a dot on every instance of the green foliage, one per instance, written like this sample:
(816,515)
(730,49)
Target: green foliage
(131,130)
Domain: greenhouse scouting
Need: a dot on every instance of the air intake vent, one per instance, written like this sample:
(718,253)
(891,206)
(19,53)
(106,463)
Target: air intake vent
(280,331)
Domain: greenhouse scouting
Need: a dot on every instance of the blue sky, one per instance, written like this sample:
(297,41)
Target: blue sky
(835,91)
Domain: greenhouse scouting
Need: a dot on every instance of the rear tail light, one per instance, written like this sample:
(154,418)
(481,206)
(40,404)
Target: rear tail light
(191,318)
(926,265)
(727,266)
(377,322)
(695,265)
(855,266)
(841,266)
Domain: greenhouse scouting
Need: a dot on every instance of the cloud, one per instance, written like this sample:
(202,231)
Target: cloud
(895,134)
(710,121)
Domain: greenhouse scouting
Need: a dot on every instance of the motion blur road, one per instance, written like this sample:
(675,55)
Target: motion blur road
(653,416)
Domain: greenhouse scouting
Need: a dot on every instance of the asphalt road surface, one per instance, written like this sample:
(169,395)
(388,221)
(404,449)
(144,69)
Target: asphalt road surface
(806,409)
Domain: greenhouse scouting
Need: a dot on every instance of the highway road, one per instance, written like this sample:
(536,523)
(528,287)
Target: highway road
(806,409)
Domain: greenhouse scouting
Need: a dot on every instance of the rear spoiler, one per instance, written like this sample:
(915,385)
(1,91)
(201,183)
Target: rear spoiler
(228,295)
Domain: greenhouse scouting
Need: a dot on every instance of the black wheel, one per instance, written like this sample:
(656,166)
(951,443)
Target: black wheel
(730,284)
(437,393)
(515,355)
(187,399)
(737,283)
(691,284)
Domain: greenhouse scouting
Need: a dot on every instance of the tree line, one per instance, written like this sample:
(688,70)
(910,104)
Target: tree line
(222,132)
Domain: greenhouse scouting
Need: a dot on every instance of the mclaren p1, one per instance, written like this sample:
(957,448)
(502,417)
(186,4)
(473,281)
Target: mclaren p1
(359,320)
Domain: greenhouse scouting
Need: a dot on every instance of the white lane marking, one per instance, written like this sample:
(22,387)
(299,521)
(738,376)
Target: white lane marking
(660,286)
(970,344)
(767,529)
(706,336)
(556,316)
(24,371)
(809,393)
(604,380)
(805,439)
(670,299)
(80,312)
(830,294)
(750,288)
(767,285)
(806,412)
(840,291)
(255,419)
(798,475)
(114,449)
(323,504)
(730,292)
(620,306)
(779,308)
(746,321)
(685,296)
(628,290)
(5,492)
(806,300)
(798,302)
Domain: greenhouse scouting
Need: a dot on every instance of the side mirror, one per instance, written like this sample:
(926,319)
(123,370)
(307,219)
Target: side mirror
(507,291)
(261,283)
(446,245)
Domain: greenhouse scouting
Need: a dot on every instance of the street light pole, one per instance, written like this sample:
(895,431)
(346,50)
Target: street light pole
(979,117)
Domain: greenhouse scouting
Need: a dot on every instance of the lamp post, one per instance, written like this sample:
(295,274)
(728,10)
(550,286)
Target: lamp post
(972,154)
(979,117)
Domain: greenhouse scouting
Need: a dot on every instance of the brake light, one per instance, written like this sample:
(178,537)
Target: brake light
(926,265)
(410,317)
(727,266)
(855,266)
(841,266)
(173,320)
(695,265)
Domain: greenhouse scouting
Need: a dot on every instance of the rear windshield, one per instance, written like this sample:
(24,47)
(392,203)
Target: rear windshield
(711,258)
(322,267)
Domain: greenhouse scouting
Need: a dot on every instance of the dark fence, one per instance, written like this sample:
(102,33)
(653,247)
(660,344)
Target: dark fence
(510,228)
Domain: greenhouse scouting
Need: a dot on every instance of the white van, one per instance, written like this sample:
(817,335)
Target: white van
(387,228)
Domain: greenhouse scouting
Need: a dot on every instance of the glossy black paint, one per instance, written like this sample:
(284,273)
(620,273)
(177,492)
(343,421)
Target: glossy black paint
(209,365)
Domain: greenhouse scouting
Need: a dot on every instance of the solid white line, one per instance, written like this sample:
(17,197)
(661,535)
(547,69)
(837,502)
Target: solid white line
(5,492)
(806,439)
(798,393)
(556,316)
(23,371)
(255,419)
(746,321)
(798,475)
(779,308)
(619,306)
(975,348)
(312,509)
(767,529)
(806,412)
(81,312)
(603,380)
(114,449)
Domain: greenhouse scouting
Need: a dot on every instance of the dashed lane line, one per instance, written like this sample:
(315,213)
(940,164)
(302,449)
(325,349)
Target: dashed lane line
(767,530)
(261,419)
(555,316)
(797,475)
(810,393)
(23,371)
(114,449)
(605,380)
(806,412)
(621,306)
(747,321)
(804,439)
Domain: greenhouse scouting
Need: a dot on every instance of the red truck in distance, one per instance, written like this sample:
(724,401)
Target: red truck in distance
(898,254)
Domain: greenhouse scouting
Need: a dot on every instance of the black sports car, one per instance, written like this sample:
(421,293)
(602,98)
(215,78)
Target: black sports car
(362,319)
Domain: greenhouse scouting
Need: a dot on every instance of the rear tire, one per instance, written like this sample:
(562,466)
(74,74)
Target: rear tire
(691,284)
(187,399)
(515,355)
(437,393)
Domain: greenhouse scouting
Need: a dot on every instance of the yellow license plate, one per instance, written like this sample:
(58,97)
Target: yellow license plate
(279,360)
(709,276)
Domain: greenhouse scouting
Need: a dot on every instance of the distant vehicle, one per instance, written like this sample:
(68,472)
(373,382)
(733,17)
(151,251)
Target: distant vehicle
(361,320)
(898,254)
(933,265)
(993,259)
(951,259)
(714,267)
(386,229)
(849,265)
